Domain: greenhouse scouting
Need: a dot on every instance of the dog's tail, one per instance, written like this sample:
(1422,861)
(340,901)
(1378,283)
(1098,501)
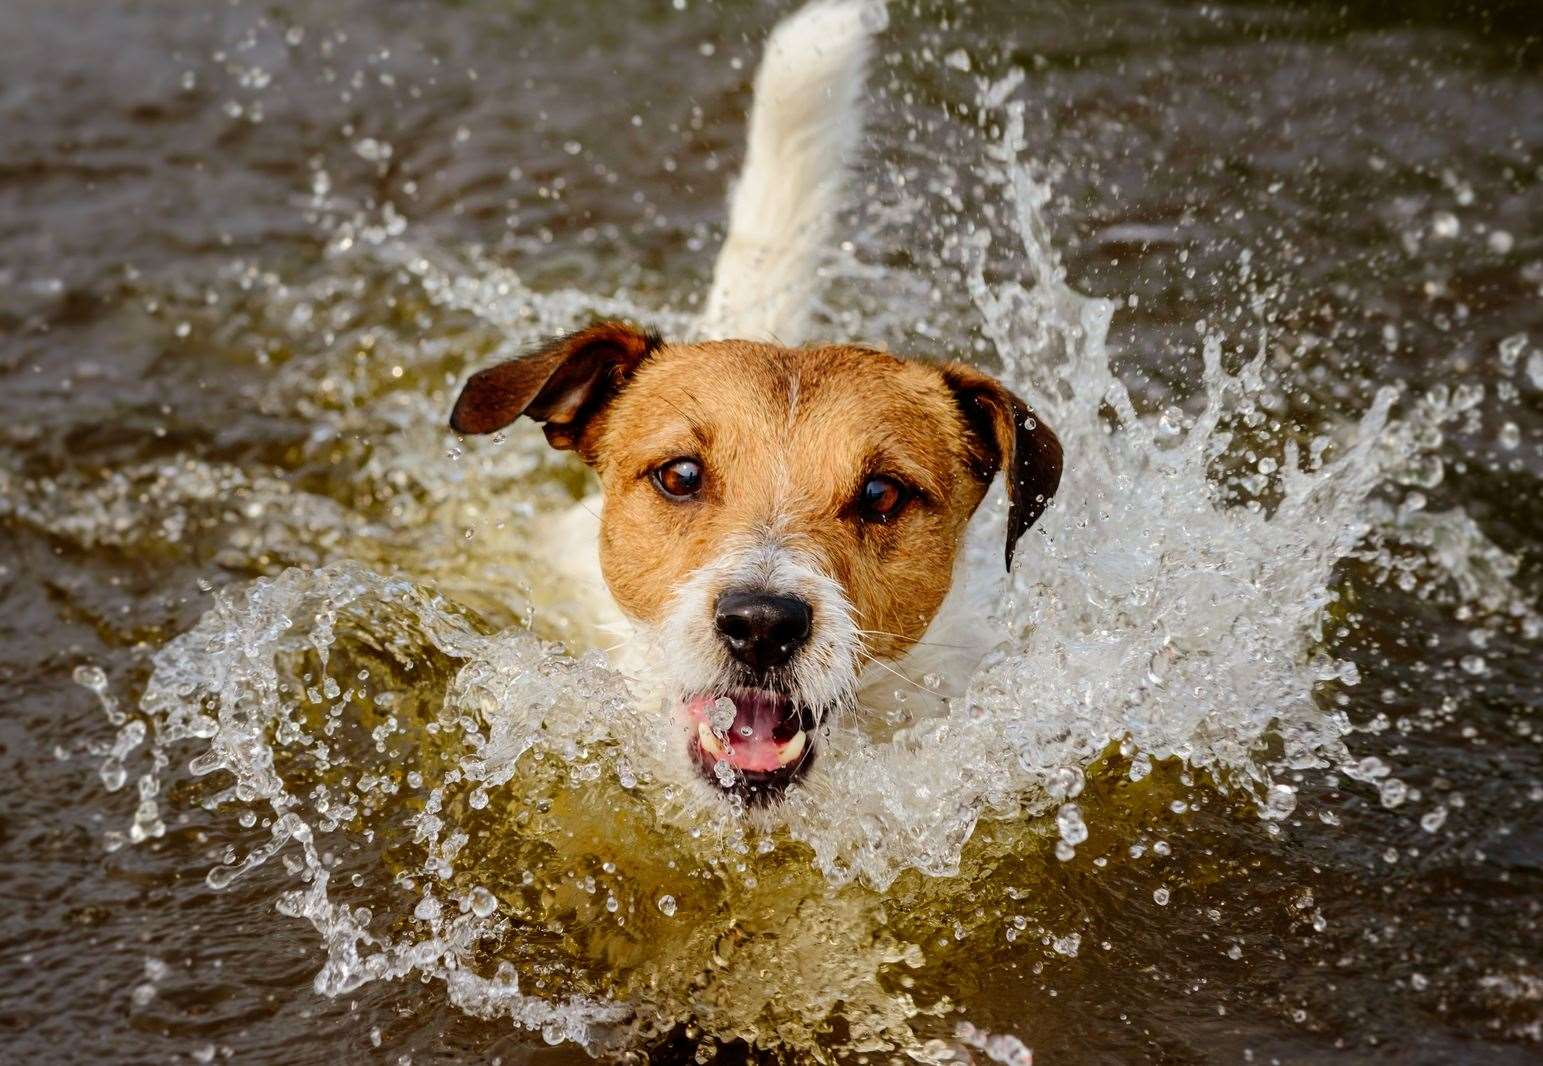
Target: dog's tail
(804,127)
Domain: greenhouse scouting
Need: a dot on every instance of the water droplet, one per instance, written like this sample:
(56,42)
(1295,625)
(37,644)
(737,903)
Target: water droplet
(1160,896)
(1444,224)
(1369,769)
(1393,792)
(142,994)
(91,677)
(1065,782)
(875,17)
(667,906)
(483,902)
(371,149)
(1280,802)
(720,716)
(1068,821)
(427,909)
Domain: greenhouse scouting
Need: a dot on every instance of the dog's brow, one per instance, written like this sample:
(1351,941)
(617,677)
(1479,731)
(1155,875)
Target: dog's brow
(888,459)
(675,436)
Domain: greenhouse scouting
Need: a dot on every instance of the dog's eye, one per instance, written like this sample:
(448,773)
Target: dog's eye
(679,479)
(880,499)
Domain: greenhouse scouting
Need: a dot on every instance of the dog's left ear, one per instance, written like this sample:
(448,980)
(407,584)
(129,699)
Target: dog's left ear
(1008,436)
(562,384)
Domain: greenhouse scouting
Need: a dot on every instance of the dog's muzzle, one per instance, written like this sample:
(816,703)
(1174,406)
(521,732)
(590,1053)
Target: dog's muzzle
(753,740)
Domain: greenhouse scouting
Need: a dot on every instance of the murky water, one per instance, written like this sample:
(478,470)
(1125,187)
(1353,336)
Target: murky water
(307,760)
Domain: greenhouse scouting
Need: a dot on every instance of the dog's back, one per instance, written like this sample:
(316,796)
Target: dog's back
(804,129)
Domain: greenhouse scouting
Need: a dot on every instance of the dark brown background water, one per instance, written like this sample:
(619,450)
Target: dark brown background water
(157,157)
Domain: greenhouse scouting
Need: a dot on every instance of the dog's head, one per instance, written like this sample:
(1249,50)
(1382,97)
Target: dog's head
(776,518)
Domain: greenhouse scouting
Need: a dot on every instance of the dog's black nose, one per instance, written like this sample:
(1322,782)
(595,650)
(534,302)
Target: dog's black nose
(762,630)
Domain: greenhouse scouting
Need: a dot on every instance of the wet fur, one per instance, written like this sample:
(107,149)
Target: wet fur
(804,129)
(786,436)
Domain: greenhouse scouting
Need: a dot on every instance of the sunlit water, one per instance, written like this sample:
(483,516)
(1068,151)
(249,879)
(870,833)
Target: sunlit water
(387,723)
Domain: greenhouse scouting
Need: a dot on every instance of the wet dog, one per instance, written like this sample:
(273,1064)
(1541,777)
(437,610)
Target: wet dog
(783,527)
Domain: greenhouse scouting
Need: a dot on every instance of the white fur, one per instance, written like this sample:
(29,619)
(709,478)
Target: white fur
(804,128)
(823,673)
(962,631)
(684,655)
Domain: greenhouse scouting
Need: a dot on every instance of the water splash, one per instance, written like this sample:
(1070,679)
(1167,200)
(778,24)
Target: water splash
(443,789)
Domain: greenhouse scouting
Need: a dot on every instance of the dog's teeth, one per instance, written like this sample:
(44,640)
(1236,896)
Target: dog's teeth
(709,742)
(792,749)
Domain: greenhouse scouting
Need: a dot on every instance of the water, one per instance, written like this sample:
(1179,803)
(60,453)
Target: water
(310,760)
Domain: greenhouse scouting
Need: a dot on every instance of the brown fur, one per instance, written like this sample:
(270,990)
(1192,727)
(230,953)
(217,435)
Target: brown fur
(786,437)
(560,384)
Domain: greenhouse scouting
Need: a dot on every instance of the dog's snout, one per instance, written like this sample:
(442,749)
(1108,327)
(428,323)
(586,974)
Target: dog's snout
(762,630)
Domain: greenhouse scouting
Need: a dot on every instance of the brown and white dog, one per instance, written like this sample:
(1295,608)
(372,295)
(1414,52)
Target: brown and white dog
(781,526)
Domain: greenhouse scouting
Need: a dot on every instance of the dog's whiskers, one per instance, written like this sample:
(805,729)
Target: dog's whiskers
(882,665)
(918,643)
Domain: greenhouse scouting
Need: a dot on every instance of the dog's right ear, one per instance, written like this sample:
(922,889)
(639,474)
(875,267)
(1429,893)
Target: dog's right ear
(561,385)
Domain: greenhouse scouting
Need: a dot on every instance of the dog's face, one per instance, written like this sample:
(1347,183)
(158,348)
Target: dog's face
(775,519)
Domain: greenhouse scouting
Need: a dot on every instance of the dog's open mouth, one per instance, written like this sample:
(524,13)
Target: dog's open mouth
(750,742)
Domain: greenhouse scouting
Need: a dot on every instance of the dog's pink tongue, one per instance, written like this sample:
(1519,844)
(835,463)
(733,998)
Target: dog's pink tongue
(750,742)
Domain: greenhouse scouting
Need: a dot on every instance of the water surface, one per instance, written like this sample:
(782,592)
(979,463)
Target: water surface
(305,760)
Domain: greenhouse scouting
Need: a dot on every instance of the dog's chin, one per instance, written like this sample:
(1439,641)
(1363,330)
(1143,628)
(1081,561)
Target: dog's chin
(764,751)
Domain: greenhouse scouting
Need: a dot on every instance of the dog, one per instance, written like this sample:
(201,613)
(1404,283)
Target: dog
(786,528)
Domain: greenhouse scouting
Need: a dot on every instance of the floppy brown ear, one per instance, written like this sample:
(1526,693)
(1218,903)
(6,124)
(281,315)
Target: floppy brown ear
(561,384)
(1008,436)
